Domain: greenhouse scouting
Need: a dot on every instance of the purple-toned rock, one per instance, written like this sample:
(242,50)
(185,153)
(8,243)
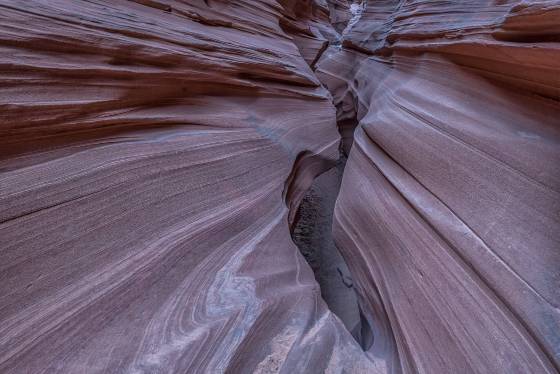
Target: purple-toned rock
(153,156)
(449,210)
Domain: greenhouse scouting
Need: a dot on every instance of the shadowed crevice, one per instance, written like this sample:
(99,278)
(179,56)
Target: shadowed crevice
(312,233)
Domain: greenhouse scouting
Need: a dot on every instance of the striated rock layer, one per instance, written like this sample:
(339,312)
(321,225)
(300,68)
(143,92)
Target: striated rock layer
(153,154)
(148,160)
(456,254)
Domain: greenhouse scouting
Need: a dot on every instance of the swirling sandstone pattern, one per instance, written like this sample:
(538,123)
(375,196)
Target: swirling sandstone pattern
(145,152)
(153,154)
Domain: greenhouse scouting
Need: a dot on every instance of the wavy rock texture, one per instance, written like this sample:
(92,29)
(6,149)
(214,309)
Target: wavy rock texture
(145,152)
(153,155)
(456,252)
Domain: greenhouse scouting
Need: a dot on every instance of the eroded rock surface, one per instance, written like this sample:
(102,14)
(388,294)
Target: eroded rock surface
(145,148)
(153,155)
(449,209)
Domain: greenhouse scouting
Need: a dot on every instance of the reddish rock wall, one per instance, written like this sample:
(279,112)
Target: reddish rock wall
(145,148)
(153,155)
(449,209)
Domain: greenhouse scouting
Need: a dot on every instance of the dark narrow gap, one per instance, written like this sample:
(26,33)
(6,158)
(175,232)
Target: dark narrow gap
(311,223)
(312,233)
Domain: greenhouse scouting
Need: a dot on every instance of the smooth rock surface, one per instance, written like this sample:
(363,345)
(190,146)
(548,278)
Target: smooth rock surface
(449,210)
(145,152)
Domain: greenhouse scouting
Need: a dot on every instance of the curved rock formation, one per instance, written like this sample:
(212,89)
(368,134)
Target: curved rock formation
(153,155)
(145,149)
(456,253)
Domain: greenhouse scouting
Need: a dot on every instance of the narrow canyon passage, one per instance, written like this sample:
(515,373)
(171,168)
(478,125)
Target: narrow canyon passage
(175,197)
(312,233)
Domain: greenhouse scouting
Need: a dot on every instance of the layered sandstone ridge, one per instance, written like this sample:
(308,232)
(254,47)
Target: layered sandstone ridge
(455,255)
(153,155)
(149,153)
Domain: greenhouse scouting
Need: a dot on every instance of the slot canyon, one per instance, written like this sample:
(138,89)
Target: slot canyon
(280,186)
